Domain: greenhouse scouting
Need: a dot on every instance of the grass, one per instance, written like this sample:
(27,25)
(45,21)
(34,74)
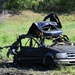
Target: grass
(16,25)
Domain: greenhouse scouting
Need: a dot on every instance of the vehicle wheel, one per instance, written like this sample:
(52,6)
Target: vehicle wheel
(50,62)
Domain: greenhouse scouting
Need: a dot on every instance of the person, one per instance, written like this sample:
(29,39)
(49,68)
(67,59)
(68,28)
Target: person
(53,17)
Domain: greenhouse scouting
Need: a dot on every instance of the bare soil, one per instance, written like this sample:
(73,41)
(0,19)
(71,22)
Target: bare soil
(7,68)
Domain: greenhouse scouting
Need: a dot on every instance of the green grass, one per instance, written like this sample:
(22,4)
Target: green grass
(19,24)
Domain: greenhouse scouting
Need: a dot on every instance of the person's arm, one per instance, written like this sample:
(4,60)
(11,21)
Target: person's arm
(48,16)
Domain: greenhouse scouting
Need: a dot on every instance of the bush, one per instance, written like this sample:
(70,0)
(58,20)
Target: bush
(39,5)
(68,5)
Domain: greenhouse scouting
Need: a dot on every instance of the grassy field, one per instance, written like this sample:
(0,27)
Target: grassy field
(16,25)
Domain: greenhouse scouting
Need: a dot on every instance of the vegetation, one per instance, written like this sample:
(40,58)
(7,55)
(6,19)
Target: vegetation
(39,5)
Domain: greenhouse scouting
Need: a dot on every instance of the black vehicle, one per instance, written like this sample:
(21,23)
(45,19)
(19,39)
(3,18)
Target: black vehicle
(50,48)
(45,29)
(44,43)
(32,51)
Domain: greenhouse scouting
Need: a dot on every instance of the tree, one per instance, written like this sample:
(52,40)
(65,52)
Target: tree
(68,5)
(40,5)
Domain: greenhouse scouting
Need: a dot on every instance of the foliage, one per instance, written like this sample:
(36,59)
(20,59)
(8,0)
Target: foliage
(14,4)
(20,4)
(39,5)
(68,5)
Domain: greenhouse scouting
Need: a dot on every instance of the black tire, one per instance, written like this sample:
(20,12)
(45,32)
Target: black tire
(50,62)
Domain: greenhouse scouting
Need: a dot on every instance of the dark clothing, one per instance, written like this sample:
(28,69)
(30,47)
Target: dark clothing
(53,17)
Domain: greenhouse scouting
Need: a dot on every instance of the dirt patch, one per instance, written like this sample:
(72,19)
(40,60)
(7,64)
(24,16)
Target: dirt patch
(26,69)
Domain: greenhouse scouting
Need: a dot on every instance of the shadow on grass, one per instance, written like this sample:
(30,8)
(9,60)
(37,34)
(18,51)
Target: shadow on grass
(34,67)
